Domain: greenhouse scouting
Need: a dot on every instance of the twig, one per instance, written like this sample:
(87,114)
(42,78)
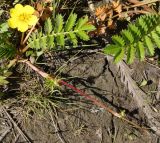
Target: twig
(15,125)
(25,49)
(12,62)
(143,3)
(130,11)
(22,37)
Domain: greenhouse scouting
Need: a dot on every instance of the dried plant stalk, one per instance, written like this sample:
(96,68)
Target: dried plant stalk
(138,96)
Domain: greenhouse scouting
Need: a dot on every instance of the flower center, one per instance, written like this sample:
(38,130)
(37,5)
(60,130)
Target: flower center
(24,17)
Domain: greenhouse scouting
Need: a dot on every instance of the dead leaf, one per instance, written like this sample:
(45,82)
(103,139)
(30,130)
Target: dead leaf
(39,7)
(117,6)
(36,13)
(101,29)
(101,13)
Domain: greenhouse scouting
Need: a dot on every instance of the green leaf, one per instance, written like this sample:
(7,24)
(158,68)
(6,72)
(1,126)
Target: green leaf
(145,32)
(156,38)
(87,27)
(143,83)
(83,35)
(118,40)
(130,54)
(50,41)
(134,30)
(43,43)
(70,22)
(140,51)
(57,33)
(29,53)
(37,44)
(81,22)
(7,51)
(128,36)
(3,80)
(141,22)
(119,56)
(4,27)
(73,38)
(58,23)
(111,49)
(48,26)
(149,45)
(60,40)
(158,29)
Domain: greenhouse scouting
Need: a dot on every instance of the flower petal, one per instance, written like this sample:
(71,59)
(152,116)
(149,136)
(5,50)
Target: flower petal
(32,20)
(16,11)
(12,22)
(28,9)
(22,26)
(19,7)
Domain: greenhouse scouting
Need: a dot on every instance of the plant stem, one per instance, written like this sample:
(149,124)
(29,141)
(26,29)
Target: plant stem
(43,74)
(88,97)
(22,38)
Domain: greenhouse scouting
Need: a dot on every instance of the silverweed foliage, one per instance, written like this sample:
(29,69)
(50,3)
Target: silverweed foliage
(138,39)
(57,33)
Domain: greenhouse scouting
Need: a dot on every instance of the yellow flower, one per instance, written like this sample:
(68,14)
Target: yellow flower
(22,17)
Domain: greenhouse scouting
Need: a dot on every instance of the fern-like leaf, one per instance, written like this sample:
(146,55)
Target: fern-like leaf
(73,38)
(81,22)
(112,49)
(119,41)
(60,40)
(131,54)
(48,26)
(144,33)
(7,51)
(149,45)
(70,22)
(119,56)
(58,23)
(56,33)
(127,36)
(83,35)
(155,38)
(140,51)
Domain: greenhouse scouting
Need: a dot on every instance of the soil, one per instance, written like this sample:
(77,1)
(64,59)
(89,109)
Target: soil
(87,123)
(81,121)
